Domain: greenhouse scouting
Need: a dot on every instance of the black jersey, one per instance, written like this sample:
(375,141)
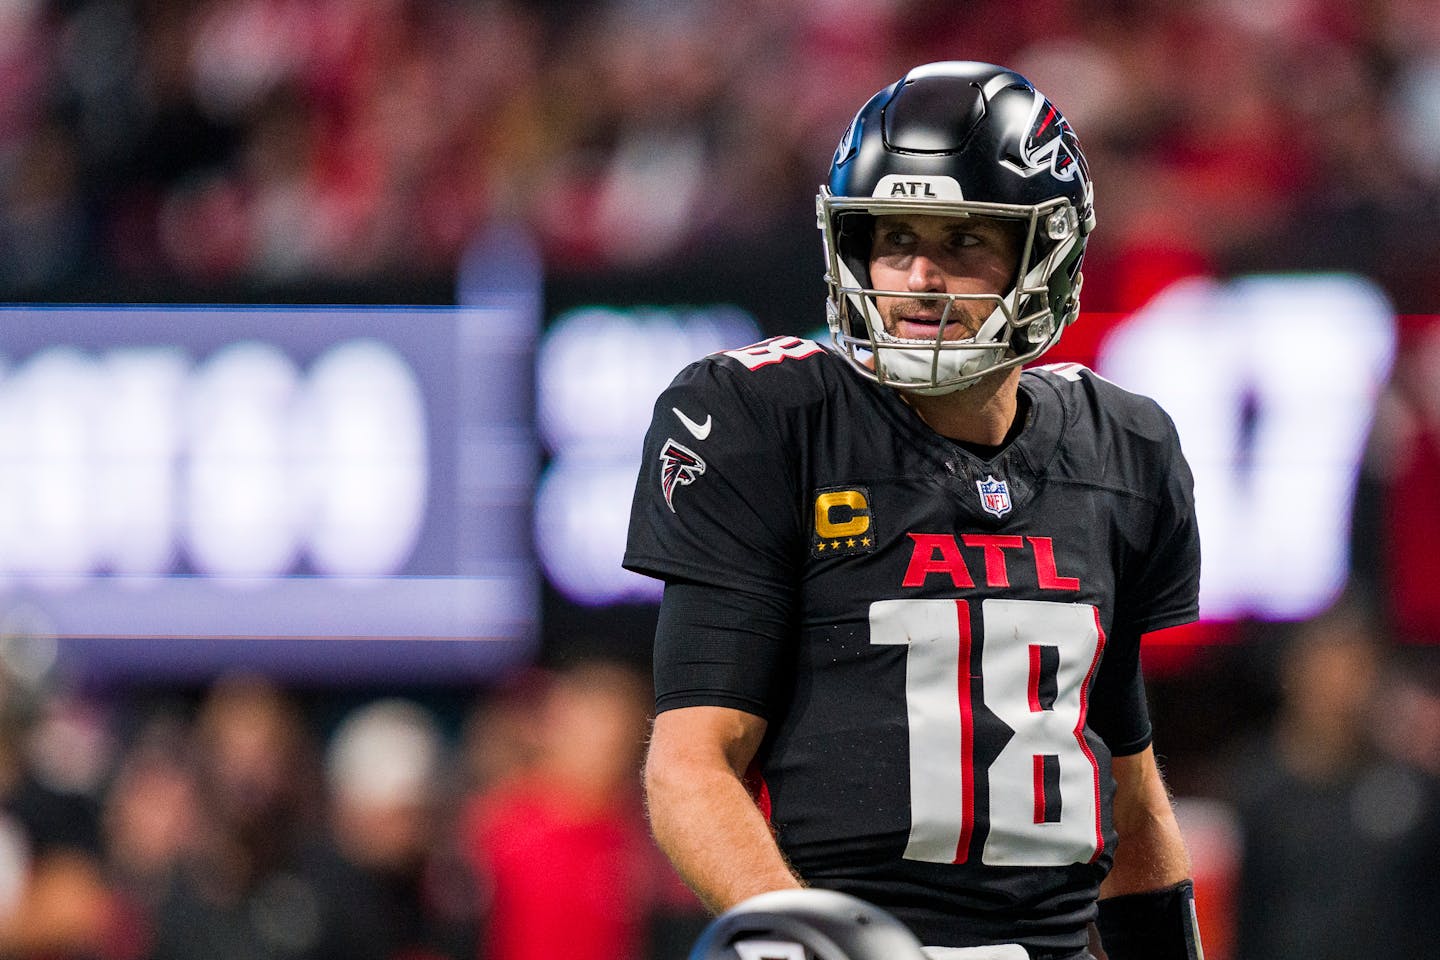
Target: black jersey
(962,657)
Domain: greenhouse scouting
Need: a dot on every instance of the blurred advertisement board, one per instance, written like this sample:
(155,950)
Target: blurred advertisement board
(231,484)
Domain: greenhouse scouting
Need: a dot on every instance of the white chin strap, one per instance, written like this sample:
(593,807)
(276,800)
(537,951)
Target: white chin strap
(923,366)
(934,364)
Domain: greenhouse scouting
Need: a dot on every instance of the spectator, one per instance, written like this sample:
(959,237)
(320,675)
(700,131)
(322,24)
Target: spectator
(1329,822)
(55,901)
(561,849)
(151,819)
(237,895)
(385,885)
(270,140)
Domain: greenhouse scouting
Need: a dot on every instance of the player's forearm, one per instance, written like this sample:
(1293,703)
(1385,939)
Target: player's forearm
(1151,852)
(1150,855)
(707,824)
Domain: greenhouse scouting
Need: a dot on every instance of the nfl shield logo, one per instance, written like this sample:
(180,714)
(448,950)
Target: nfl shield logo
(994,495)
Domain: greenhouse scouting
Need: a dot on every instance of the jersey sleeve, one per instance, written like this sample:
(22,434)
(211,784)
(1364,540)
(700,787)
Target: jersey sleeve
(1161,586)
(714,501)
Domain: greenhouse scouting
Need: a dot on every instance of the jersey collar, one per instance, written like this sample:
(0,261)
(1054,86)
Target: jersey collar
(1022,464)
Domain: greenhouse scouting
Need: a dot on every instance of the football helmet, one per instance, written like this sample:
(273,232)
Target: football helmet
(957,139)
(806,925)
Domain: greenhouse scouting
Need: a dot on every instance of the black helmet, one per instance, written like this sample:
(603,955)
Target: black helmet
(806,925)
(958,139)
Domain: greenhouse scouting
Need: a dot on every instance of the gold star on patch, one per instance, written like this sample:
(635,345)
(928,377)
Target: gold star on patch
(834,544)
(850,543)
(820,546)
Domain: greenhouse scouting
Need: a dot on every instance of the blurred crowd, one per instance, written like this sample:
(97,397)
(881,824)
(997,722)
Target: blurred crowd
(251,820)
(288,140)
(236,826)
(1335,799)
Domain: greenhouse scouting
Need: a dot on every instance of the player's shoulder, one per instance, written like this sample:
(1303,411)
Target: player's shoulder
(1110,408)
(786,370)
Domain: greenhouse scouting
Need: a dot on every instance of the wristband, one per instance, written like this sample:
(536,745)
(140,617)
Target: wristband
(1155,925)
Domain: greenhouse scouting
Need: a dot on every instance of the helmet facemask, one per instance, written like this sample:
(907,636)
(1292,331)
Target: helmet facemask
(1025,320)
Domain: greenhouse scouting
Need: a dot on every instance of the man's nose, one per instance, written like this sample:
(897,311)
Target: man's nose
(925,275)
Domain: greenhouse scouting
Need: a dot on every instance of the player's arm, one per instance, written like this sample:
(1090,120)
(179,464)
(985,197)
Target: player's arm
(1151,853)
(701,813)
(1147,901)
(725,540)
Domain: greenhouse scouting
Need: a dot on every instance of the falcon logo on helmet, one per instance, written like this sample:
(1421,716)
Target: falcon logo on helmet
(679,467)
(1048,145)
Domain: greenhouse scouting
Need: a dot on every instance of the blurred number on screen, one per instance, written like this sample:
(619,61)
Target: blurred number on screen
(117,462)
(599,371)
(1272,384)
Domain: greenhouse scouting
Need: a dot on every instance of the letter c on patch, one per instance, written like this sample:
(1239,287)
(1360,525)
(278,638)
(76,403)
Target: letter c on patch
(841,513)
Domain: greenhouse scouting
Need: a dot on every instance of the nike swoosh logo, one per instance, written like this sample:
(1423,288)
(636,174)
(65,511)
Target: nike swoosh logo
(697,430)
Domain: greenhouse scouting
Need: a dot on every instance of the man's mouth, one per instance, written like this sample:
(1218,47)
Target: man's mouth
(921,326)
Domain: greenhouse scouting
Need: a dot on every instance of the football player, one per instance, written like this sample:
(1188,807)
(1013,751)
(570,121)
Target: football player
(906,582)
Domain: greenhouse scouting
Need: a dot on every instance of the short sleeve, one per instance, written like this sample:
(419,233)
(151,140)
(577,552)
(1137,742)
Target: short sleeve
(1161,587)
(714,500)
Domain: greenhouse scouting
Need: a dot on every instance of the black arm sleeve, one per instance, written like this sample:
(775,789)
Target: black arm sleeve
(720,647)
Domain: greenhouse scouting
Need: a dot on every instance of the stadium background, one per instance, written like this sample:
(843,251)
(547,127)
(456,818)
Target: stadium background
(520,219)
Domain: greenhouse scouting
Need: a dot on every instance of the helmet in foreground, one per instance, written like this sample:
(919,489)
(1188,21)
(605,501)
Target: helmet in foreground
(957,139)
(806,925)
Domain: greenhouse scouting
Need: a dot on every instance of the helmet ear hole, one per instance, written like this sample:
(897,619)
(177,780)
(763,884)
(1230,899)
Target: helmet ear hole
(855,233)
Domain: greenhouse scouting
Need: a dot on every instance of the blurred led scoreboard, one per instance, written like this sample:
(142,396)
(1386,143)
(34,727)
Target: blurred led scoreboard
(231,485)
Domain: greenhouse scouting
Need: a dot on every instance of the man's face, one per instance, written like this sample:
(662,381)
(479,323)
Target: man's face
(926,254)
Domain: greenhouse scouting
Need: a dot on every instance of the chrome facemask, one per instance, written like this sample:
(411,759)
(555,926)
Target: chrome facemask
(1021,326)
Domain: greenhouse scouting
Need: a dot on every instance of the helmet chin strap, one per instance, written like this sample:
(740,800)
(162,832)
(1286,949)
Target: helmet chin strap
(913,368)
(910,368)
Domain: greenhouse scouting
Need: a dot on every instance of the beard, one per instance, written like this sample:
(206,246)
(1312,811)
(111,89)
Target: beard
(962,323)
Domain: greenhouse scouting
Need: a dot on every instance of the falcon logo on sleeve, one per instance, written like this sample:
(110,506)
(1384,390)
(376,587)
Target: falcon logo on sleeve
(679,467)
